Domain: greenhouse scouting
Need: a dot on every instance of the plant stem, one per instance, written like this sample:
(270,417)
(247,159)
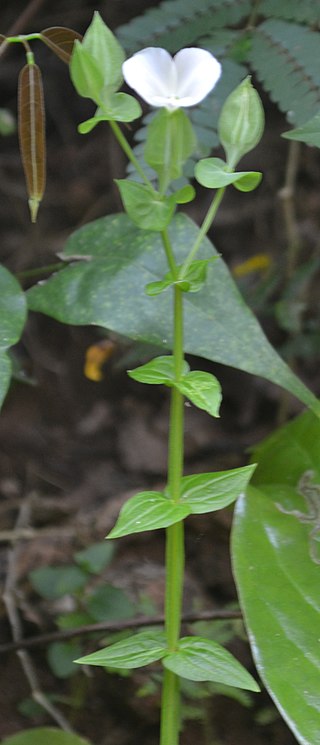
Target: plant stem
(128,151)
(170,718)
(208,220)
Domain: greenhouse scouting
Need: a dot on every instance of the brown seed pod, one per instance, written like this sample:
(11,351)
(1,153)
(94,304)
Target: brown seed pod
(32,134)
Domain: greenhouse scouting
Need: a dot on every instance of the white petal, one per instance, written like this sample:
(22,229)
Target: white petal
(197,71)
(152,74)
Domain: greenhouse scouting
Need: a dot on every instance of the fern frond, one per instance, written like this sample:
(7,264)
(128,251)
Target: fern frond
(283,56)
(300,11)
(176,23)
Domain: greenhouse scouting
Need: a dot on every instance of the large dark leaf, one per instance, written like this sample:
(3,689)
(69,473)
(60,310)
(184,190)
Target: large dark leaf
(12,319)
(108,290)
(277,574)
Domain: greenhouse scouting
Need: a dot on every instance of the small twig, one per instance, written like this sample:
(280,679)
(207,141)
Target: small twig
(287,196)
(16,627)
(111,626)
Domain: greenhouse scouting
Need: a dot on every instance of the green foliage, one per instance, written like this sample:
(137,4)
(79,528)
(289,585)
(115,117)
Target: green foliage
(215,174)
(308,132)
(135,651)
(13,315)
(148,511)
(106,291)
(277,574)
(54,582)
(241,122)
(48,735)
(170,141)
(147,209)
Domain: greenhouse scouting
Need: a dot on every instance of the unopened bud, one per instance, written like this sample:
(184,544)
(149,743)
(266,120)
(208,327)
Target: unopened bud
(241,122)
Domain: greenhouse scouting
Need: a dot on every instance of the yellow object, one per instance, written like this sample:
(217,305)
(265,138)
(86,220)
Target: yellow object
(96,356)
(256,263)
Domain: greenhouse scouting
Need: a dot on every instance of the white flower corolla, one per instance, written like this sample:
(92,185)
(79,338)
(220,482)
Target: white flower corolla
(172,82)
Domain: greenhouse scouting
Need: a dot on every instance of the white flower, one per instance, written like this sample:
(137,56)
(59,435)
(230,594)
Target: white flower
(161,80)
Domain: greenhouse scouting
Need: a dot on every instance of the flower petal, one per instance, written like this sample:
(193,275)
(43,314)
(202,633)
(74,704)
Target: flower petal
(197,73)
(152,74)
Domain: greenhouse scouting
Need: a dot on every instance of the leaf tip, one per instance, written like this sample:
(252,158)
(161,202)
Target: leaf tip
(34,204)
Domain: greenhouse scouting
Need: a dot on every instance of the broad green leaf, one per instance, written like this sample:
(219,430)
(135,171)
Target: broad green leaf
(108,291)
(41,735)
(202,389)
(157,371)
(146,208)
(136,651)
(170,142)
(278,585)
(86,75)
(96,557)
(108,603)
(54,582)
(308,132)
(202,659)
(12,320)
(103,46)
(120,107)
(61,656)
(207,492)
(148,511)
(215,174)
(184,195)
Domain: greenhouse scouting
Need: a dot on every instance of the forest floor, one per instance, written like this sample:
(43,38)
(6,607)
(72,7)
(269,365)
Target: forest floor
(72,450)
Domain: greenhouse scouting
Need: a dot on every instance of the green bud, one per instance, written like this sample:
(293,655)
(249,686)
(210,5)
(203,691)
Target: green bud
(241,122)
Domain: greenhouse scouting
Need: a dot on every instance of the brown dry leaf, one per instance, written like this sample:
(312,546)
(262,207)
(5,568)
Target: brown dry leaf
(32,134)
(60,40)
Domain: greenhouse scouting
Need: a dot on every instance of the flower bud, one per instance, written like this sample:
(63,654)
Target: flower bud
(241,122)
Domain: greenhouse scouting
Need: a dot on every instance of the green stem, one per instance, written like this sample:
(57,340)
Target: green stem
(22,38)
(208,220)
(170,716)
(169,253)
(129,152)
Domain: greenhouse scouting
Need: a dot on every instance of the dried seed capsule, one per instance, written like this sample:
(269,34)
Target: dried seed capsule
(32,134)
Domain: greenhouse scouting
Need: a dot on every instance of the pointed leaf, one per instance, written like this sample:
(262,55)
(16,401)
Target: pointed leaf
(102,45)
(60,40)
(148,510)
(308,132)
(137,651)
(157,371)
(32,134)
(207,492)
(49,735)
(107,291)
(202,659)
(13,316)
(203,390)
(146,208)
(86,74)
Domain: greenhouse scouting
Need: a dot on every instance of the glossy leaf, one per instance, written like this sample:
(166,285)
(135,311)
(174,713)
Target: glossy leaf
(215,174)
(60,40)
(202,659)
(207,492)
(157,371)
(278,580)
(107,291)
(203,390)
(32,134)
(13,316)
(146,209)
(308,132)
(148,511)
(136,651)
(48,735)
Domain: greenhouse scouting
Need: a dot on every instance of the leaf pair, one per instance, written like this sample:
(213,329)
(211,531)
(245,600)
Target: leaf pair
(195,658)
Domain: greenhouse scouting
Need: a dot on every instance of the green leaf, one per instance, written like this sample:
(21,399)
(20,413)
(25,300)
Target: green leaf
(202,389)
(48,735)
(170,142)
(157,371)
(202,659)
(184,195)
(86,74)
(13,316)
(96,557)
(192,281)
(308,132)
(277,579)
(215,174)
(108,603)
(136,651)
(120,107)
(107,291)
(148,510)
(54,582)
(105,49)
(146,208)
(207,492)
(61,658)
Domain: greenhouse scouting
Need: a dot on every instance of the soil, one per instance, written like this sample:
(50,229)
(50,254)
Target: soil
(72,450)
